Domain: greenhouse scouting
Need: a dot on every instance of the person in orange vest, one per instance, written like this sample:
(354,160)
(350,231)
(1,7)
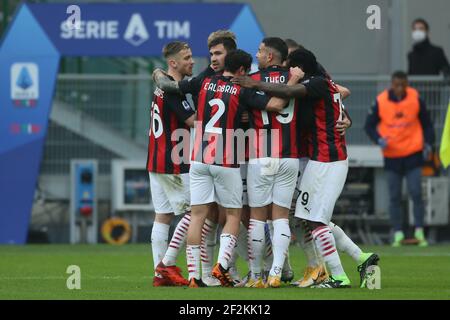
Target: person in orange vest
(399,123)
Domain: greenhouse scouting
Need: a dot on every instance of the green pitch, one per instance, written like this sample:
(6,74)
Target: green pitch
(110,272)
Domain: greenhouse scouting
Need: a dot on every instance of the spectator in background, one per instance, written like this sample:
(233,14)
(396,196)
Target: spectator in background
(428,59)
(425,58)
(400,125)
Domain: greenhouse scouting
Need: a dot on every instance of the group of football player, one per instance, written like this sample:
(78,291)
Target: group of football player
(294,160)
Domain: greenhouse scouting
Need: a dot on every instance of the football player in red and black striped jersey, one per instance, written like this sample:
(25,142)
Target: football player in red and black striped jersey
(325,173)
(270,193)
(316,271)
(220,43)
(214,173)
(168,172)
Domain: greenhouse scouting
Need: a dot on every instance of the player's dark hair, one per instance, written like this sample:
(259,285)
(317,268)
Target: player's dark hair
(173,48)
(228,43)
(399,75)
(320,69)
(292,44)
(304,59)
(422,21)
(236,59)
(278,45)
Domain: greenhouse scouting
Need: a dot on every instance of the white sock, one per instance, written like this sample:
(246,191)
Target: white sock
(159,238)
(256,246)
(280,245)
(227,244)
(268,256)
(209,236)
(344,243)
(178,240)
(193,261)
(242,242)
(326,245)
(308,246)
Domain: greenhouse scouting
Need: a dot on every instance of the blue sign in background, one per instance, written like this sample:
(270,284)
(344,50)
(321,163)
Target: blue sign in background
(36,37)
(104,27)
(21,151)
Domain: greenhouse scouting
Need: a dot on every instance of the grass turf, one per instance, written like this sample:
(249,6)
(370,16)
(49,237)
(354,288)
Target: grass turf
(124,272)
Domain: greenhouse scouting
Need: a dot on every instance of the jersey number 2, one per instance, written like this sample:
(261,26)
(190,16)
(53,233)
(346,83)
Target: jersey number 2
(209,127)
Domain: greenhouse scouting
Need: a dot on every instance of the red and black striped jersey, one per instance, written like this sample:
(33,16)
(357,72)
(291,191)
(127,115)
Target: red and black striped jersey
(276,133)
(168,112)
(219,114)
(191,85)
(302,136)
(323,106)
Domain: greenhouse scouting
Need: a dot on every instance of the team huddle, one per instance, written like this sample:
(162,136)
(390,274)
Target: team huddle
(252,150)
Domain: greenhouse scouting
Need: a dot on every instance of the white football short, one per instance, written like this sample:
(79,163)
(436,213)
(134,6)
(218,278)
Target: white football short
(212,183)
(170,193)
(271,180)
(321,185)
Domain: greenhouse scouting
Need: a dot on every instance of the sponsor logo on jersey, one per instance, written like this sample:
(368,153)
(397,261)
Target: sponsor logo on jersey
(186,105)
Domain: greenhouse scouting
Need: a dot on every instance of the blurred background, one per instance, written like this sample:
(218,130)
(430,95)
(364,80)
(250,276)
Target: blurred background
(112,96)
